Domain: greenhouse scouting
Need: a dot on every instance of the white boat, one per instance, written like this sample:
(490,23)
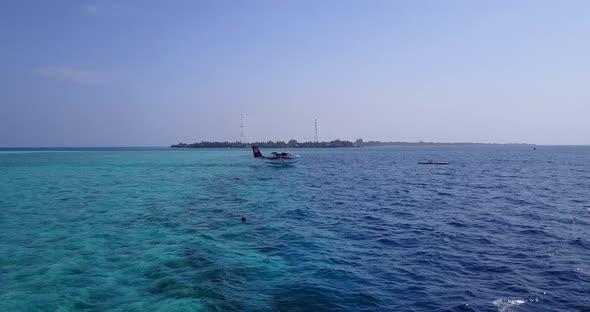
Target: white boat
(431,162)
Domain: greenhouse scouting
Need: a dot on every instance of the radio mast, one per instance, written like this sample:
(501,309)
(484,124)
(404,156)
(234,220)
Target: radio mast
(241,128)
(316,130)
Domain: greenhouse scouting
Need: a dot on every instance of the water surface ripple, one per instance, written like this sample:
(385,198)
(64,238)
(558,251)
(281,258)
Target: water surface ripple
(502,228)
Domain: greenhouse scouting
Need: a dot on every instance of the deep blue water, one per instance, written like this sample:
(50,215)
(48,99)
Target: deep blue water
(502,228)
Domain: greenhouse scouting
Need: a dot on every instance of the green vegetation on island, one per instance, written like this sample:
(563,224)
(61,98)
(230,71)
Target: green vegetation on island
(335,143)
(268,144)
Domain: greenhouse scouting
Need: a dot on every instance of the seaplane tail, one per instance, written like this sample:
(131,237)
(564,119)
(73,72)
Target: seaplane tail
(257,153)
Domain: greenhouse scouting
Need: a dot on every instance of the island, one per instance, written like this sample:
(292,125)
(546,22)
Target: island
(309,144)
(268,144)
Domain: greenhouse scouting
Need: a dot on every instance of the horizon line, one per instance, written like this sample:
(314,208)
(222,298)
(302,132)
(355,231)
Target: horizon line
(168,146)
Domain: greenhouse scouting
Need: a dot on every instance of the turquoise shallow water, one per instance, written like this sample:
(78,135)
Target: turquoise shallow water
(500,229)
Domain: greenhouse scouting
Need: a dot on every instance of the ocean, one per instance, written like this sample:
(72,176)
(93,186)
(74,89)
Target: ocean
(502,228)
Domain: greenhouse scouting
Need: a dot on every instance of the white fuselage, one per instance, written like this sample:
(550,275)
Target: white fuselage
(281,161)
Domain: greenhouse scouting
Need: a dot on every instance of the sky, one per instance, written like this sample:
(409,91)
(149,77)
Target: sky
(155,73)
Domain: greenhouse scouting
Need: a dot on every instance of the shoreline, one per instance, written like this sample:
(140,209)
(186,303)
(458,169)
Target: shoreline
(332,144)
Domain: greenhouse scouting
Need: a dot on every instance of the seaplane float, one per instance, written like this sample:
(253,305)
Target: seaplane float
(277,159)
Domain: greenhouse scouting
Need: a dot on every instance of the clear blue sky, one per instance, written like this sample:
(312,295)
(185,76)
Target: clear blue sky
(153,73)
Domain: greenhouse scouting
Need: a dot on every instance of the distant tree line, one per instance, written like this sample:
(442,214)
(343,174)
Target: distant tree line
(293,144)
(268,144)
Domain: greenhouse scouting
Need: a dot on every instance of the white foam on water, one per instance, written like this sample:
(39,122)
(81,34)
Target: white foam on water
(504,305)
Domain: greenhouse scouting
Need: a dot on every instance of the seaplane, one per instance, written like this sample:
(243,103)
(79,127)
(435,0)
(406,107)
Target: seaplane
(277,159)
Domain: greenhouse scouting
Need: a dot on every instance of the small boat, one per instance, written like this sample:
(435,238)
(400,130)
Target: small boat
(430,162)
(279,159)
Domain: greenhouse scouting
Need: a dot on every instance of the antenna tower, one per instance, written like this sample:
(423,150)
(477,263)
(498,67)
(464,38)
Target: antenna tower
(241,128)
(316,130)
